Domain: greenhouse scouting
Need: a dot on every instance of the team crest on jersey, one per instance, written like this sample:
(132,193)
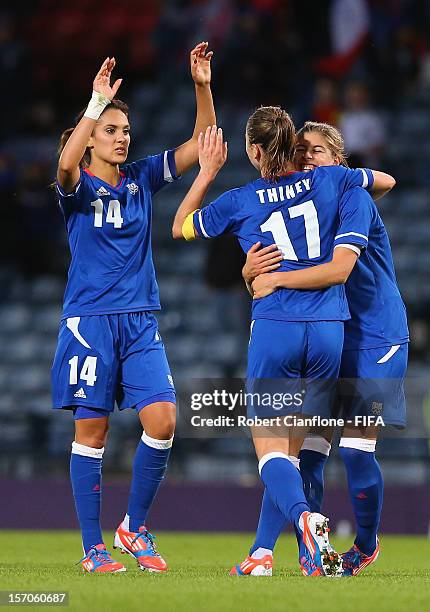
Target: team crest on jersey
(102,191)
(377,408)
(133,188)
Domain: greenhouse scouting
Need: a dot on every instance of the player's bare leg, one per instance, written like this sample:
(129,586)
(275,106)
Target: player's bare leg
(158,421)
(92,432)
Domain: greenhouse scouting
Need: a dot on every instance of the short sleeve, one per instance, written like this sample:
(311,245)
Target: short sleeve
(348,178)
(72,201)
(218,217)
(356,210)
(159,170)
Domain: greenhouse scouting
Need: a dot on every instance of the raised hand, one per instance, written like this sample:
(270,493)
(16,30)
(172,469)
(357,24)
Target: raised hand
(200,60)
(212,151)
(101,83)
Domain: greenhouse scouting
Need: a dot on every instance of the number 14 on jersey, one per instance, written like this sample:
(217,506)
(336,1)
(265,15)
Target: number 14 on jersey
(113,214)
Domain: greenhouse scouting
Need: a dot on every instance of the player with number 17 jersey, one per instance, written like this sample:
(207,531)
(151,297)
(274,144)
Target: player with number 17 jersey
(295,333)
(301,214)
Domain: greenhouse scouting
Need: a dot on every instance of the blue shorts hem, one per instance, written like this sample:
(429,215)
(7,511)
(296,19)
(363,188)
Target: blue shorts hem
(167,396)
(70,406)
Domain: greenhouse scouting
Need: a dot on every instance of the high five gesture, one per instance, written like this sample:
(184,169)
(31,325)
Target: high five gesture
(200,60)
(101,83)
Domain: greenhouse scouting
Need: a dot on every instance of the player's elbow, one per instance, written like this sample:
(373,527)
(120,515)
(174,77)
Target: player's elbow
(342,277)
(390,182)
(342,274)
(383,183)
(64,169)
(339,274)
(67,167)
(67,163)
(177,231)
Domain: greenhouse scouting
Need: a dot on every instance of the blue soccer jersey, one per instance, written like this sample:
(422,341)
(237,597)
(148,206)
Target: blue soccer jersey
(109,231)
(303,214)
(378,314)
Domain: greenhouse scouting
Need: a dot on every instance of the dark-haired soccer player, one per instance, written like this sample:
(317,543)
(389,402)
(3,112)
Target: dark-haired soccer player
(109,348)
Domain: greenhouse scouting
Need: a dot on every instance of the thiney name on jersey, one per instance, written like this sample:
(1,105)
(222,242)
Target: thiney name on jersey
(283,192)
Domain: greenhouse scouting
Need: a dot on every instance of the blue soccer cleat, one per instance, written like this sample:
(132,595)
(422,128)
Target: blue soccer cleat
(354,561)
(316,555)
(98,561)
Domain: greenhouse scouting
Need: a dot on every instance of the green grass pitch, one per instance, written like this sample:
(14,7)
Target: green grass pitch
(198,576)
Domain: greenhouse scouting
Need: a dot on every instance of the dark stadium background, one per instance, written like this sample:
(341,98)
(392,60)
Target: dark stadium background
(266,52)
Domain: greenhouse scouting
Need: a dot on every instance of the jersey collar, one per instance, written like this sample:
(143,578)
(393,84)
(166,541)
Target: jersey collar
(121,180)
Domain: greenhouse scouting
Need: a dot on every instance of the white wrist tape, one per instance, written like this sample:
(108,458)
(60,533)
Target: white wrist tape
(96,105)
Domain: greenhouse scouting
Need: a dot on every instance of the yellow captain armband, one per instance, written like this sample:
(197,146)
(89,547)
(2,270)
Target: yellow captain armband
(188,231)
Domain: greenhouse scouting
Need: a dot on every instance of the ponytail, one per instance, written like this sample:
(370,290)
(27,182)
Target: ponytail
(273,129)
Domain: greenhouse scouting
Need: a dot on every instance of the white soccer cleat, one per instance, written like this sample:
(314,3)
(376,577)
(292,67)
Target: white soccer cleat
(317,556)
(254,567)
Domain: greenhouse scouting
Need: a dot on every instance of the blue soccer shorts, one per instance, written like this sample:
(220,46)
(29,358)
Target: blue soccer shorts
(106,358)
(372,384)
(296,363)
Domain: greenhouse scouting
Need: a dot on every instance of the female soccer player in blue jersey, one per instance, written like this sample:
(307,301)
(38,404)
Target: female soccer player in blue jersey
(374,358)
(295,334)
(109,347)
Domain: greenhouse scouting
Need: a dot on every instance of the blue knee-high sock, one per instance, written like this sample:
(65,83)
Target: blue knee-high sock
(272,521)
(284,485)
(366,488)
(149,467)
(86,479)
(312,470)
(270,525)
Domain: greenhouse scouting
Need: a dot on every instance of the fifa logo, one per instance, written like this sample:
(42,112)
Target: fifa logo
(133,188)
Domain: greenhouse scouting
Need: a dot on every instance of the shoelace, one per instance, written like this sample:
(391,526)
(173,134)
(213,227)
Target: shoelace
(102,556)
(148,538)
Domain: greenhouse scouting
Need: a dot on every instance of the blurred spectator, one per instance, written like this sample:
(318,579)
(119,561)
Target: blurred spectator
(326,107)
(362,128)
(349,27)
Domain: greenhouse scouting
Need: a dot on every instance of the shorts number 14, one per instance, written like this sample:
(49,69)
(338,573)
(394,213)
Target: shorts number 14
(88,371)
